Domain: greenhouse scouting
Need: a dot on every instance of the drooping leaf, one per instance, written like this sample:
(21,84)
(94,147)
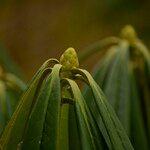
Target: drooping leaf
(32,134)
(51,130)
(116,133)
(98,118)
(9,97)
(145,53)
(139,137)
(99,140)
(145,79)
(13,132)
(85,53)
(44,121)
(74,139)
(117,88)
(102,68)
(64,128)
(85,134)
(3,106)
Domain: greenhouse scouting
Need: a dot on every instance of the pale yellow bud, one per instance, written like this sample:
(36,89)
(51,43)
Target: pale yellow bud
(69,59)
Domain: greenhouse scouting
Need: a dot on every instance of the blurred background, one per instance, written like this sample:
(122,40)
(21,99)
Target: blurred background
(35,30)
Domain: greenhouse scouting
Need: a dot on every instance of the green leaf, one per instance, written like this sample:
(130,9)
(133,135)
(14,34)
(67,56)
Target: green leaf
(102,68)
(146,100)
(145,53)
(97,135)
(3,106)
(64,131)
(85,53)
(98,118)
(44,121)
(117,87)
(116,133)
(138,135)
(51,130)
(9,98)
(85,134)
(100,75)
(140,47)
(32,134)
(74,139)
(13,132)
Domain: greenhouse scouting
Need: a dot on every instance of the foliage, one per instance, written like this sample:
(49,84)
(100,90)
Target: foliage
(11,87)
(124,76)
(53,114)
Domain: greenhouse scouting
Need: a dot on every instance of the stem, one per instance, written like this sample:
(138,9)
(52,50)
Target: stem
(88,51)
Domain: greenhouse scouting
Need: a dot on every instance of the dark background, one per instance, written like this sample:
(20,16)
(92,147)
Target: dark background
(35,30)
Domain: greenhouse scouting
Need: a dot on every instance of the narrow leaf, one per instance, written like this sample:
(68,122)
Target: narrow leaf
(74,139)
(138,135)
(101,70)
(64,133)
(51,129)
(118,137)
(86,138)
(14,130)
(117,88)
(3,106)
(44,120)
